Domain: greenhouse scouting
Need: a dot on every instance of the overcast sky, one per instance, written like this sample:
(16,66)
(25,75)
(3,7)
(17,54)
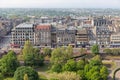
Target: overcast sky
(59,3)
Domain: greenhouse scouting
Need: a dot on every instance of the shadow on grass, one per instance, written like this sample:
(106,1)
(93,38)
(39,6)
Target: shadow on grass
(44,68)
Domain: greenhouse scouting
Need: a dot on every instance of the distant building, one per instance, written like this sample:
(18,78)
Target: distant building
(81,37)
(65,36)
(115,40)
(101,21)
(43,35)
(102,34)
(53,37)
(21,33)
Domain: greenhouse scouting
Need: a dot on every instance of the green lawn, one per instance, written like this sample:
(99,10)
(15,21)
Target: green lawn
(43,72)
(110,65)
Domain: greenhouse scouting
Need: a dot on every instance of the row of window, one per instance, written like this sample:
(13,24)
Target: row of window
(118,37)
(103,35)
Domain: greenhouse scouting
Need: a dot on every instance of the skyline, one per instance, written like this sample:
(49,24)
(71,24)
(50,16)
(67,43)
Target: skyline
(59,4)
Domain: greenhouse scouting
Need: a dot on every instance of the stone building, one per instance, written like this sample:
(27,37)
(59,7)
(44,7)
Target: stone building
(65,36)
(81,37)
(115,40)
(102,34)
(21,33)
(43,35)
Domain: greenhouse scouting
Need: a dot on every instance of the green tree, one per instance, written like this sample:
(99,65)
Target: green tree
(96,76)
(104,73)
(80,65)
(25,77)
(1,77)
(107,51)
(56,68)
(21,71)
(47,51)
(57,56)
(92,74)
(69,52)
(70,66)
(96,61)
(61,55)
(32,55)
(9,63)
(95,49)
(86,68)
(38,58)
(28,54)
(115,51)
(81,73)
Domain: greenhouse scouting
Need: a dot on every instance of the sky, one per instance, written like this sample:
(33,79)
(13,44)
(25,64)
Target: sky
(59,3)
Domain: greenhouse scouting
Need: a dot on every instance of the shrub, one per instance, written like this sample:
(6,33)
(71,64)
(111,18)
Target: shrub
(21,71)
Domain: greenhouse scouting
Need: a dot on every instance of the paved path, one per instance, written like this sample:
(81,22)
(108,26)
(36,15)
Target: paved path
(117,62)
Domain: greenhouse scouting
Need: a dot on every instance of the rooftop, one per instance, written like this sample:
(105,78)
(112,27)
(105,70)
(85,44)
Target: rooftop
(41,27)
(25,25)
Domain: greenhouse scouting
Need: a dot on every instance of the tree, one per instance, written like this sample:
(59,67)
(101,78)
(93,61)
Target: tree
(96,61)
(28,54)
(81,73)
(9,63)
(96,76)
(21,71)
(61,55)
(115,51)
(80,65)
(93,74)
(31,55)
(56,68)
(25,77)
(95,49)
(38,58)
(86,68)
(1,77)
(69,52)
(70,66)
(104,73)
(107,51)
(57,56)
(47,51)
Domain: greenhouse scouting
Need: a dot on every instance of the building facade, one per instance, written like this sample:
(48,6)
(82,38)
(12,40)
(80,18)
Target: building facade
(102,35)
(65,37)
(21,33)
(81,37)
(43,35)
(115,40)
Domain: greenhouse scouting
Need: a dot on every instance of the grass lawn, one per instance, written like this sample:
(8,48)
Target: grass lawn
(110,65)
(43,71)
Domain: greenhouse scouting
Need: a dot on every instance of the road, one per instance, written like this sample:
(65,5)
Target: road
(118,72)
(117,76)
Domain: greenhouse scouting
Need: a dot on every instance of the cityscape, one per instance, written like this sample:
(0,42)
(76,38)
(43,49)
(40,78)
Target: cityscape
(60,40)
